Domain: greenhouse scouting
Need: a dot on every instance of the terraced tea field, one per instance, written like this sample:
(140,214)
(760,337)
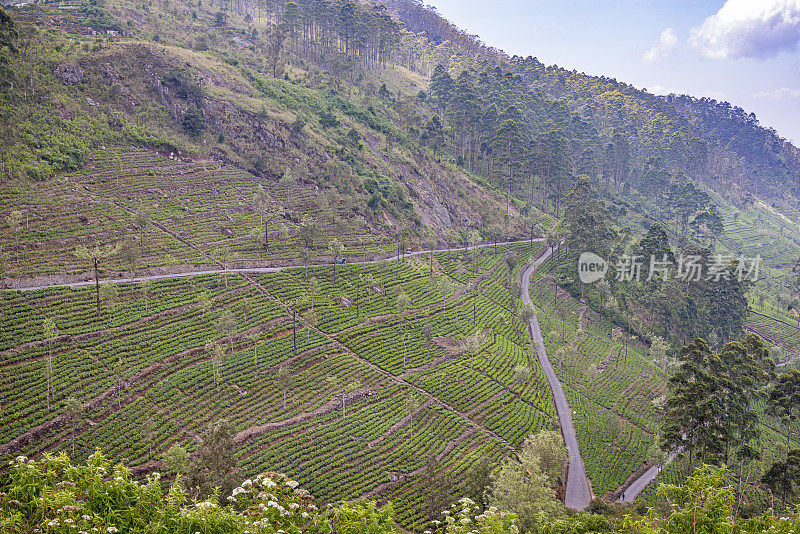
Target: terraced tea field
(201,214)
(148,375)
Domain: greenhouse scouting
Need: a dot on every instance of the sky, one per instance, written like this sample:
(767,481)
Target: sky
(746,52)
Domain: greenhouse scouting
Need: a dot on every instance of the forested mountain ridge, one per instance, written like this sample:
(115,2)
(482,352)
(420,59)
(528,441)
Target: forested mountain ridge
(774,161)
(270,163)
(708,140)
(563,123)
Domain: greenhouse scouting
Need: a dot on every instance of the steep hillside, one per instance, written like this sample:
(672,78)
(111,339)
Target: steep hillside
(310,219)
(707,140)
(186,138)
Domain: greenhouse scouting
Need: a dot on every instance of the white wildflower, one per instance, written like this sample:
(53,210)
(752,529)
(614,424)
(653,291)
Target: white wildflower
(292,483)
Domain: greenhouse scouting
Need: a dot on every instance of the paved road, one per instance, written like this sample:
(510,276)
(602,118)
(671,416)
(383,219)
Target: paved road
(578,495)
(253,269)
(638,485)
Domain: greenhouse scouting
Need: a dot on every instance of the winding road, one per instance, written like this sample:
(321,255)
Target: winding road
(578,494)
(637,486)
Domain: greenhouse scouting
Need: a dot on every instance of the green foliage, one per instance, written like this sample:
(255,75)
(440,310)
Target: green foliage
(193,121)
(215,466)
(182,83)
(433,135)
(517,121)
(588,220)
(176,460)
(527,486)
(466,517)
(49,144)
(705,503)
(99,17)
(386,194)
(54,495)
(783,478)
(366,116)
(327,119)
(357,518)
(8,33)
(710,409)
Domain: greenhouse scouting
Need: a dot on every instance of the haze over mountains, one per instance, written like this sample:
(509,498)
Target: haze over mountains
(340,241)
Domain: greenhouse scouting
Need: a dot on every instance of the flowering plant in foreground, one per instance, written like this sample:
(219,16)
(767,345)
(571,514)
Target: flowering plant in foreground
(51,495)
(465,517)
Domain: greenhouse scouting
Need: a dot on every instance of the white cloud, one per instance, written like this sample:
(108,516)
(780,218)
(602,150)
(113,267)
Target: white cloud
(749,29)
(777,94)
(668,41)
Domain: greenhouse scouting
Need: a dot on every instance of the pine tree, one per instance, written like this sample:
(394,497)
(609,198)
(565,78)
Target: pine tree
(441,86)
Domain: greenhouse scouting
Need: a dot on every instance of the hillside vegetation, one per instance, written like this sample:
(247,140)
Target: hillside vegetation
(248,238)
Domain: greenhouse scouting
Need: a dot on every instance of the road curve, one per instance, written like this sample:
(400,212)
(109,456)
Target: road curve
(637,486)
(577,495)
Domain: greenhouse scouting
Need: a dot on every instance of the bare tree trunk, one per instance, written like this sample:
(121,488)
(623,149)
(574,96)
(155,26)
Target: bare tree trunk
(739,487)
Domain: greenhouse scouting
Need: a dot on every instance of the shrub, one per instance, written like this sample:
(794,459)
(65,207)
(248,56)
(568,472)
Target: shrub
(53,495)
(193,121)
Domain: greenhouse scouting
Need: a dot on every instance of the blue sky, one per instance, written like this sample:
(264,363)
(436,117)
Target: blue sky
(742,51)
